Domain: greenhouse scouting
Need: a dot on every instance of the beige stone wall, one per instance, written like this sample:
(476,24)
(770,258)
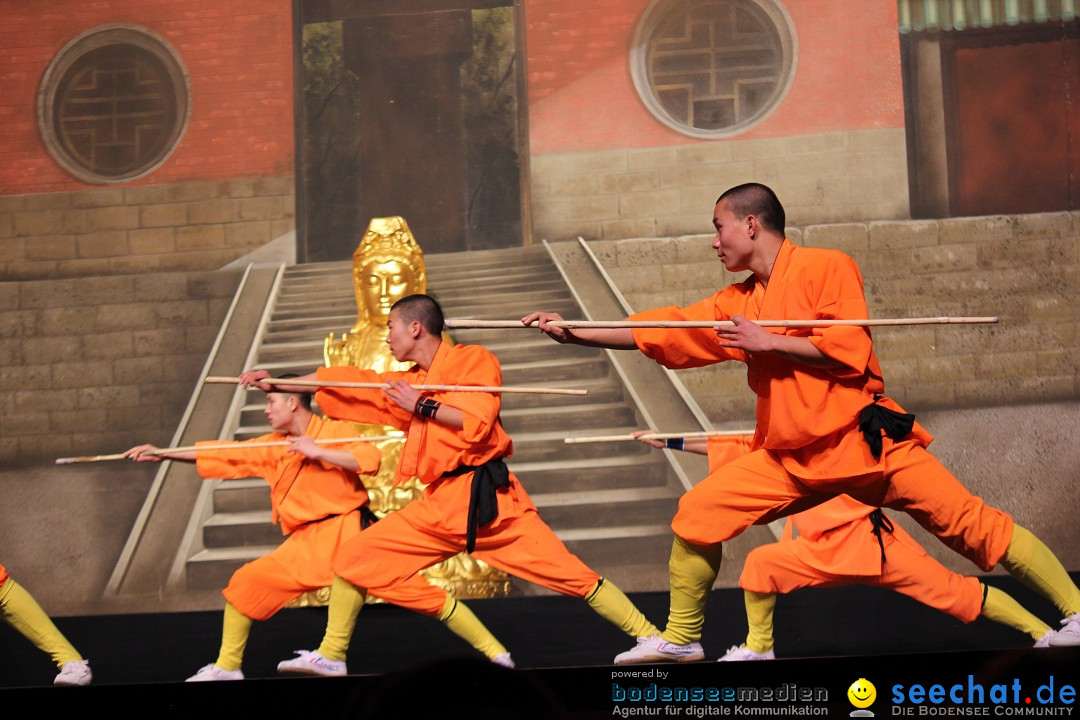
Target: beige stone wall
(667,191)
(1024,269)
(96,365)
(197,225)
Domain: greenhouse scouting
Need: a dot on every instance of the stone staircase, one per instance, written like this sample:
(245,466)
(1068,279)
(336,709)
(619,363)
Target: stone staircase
(611,503)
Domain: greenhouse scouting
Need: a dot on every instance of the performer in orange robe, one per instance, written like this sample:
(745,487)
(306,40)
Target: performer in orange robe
(21,611)
(319,500)
(844,542)
(824,426)
(456,446)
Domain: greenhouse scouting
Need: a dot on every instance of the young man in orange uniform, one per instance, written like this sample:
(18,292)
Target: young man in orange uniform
(844,542)
(21,611)
(456,445)
(824,426)
(319,500)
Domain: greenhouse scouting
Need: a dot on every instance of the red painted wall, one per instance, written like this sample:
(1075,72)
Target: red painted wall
(581,96)
(238,56)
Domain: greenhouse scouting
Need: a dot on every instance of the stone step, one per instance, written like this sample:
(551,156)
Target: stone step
(604,473)
(233,496)
(551,372)
(539,478)
(213,567)
(566,417)
(317,307)
(236,529)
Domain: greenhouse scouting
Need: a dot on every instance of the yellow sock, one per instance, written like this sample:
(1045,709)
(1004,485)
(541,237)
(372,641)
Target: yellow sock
(612,604)
(346,601)
(460,619)
(759,618)
(1001,607)
(1028,560)
(22,612)
(235,628)
(692,570)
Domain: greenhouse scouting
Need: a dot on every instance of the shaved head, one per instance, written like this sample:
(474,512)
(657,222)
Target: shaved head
(757,200)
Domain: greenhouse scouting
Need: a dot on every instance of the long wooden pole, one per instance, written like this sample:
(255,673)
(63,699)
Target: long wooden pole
(227,446)
(448,388)
(655,436)
(571,324)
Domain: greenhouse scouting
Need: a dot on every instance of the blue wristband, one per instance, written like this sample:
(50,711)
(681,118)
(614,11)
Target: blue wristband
(675,443)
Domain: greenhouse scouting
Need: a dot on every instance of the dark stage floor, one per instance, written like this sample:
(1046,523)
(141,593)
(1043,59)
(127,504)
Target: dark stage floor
(826,639)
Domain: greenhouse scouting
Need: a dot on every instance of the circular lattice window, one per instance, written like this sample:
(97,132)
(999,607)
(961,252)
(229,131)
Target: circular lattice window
(713,68)
(113,104)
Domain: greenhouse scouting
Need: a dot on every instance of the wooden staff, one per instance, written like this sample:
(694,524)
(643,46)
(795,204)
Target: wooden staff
(227,446)
(570,324)
(656,436)
(449,388)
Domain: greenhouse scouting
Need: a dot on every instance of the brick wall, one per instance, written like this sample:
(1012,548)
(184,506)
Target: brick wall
(664,191)
(238,58)
(1024,269)
(582,98)
(196,225)
(97,365)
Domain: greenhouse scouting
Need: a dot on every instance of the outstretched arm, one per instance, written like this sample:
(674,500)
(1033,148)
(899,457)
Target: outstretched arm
(694,445)
(306,446)
(751,337)
(406,397)
(148,453)
(253,378)
(612,338)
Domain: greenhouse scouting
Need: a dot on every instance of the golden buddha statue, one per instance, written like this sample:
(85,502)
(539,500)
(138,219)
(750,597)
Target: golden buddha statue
(388,265)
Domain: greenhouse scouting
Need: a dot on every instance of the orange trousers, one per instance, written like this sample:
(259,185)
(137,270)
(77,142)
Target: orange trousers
(302,563)
(756,489)
(908,569)
(401,545)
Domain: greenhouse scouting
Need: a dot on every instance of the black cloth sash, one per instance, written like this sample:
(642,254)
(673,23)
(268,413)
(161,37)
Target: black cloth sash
(874,418)
(483,504)
(880,522)
(367,517)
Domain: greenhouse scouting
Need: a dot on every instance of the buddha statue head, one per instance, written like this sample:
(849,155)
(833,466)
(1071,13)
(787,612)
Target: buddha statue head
(388,265)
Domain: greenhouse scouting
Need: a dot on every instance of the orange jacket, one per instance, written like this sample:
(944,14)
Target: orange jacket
(301,490)
(432,448)
(807,415)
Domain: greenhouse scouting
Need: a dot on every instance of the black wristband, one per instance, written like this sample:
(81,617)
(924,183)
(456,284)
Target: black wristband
(675,443)
(426,407)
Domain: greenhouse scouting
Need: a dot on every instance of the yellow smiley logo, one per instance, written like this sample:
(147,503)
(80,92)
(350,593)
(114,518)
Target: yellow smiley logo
(862,693)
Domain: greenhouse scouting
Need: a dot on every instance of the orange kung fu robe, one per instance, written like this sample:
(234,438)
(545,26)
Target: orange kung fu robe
(836,545)
(807,444)
(3,575)
(317,506)
(433,527)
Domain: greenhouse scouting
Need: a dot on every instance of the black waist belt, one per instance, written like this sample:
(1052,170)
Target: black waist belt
(874,418)
(367,517)
(880,522)
(483,505)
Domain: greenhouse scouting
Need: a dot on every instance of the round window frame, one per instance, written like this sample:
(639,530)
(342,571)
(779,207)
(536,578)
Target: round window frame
(94,39)
(657,13)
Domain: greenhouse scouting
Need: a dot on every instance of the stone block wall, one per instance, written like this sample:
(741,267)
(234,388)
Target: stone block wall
(96,365)
(183,226)
(667,191)
(1024,269)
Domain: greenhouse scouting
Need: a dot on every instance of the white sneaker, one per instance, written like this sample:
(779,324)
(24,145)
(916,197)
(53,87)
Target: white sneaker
(75,672)
(657,649)
(504,660)
(1069,634)
(211,672)
(312,663)
(1044,641)
(741,652)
